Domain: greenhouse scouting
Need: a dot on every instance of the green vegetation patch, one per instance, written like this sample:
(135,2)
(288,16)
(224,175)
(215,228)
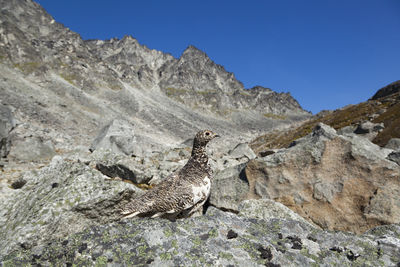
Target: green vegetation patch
(70,78)
(27,67)
(391,120)
(275,116)
(170,91)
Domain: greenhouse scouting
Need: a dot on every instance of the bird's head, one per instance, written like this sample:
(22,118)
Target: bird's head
(203,137)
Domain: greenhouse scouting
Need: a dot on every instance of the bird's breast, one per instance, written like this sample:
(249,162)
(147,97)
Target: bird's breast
(201,190)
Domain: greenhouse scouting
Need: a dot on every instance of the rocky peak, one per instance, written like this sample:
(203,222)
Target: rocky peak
(390,89)
(195,72)
(193,53)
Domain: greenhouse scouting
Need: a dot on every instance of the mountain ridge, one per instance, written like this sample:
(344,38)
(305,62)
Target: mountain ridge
(95,81)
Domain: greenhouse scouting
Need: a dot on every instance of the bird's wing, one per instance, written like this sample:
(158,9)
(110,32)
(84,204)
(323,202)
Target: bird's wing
(157,199)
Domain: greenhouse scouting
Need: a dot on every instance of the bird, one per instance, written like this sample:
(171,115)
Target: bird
(183,192)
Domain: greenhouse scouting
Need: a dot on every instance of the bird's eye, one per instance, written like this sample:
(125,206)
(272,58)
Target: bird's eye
(207,133)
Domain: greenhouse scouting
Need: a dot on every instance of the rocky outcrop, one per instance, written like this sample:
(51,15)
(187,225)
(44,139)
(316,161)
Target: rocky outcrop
(7,123)
(62,198)
(68,213)
(218,238)
(218,90)
(337,182)
(229,188)
(392,88)
(369,130)
(117,136)
(31,149)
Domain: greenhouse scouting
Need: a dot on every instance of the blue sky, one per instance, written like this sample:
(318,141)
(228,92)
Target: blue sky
(326,53)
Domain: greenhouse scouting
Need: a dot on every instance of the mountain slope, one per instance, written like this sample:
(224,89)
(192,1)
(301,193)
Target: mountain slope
(55,80)
(384,108)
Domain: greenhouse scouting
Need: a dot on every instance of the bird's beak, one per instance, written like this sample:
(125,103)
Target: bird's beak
(216,135)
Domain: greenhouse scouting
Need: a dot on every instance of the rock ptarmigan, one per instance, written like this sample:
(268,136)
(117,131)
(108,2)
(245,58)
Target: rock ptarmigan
(183,192)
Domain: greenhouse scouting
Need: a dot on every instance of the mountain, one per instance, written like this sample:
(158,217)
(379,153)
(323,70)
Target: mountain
(66,88)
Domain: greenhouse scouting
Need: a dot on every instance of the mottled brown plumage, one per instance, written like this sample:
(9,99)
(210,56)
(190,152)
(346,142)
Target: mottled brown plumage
(182,192)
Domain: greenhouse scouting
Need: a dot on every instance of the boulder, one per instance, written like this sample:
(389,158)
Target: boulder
(337,182)
(369,129)
(242,150)
(149,169)
(7,123)
(58,200)
(31,148)
(216,239)
(229,188)
(120,166)
(347,130)
(117,136)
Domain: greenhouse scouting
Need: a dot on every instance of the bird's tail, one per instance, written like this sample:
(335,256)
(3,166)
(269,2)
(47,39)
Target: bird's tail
(129,211)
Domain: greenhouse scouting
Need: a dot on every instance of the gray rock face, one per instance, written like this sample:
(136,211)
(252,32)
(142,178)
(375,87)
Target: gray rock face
(117,136)
(218,238)
(369,129)
(268,209)
(229,187)
(31,149)
(139,170)
(242,150)
(7,123)
(67,213)
(58,200)
(218,90)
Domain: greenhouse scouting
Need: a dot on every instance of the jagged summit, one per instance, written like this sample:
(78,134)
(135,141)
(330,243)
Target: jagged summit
(32,37)
(192,52)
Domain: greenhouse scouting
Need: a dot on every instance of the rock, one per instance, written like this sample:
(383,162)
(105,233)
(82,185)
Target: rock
(216,239)
(7,123)
(337,182)
(369,129)
(347,130)
(229,188)
(242,150)
(31,148)
(58,200)
(19,183)
(323,130)
(394,144)
(117,136)
(268,210)
(320,131)
(118,166)
(395,157)
(140,170)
